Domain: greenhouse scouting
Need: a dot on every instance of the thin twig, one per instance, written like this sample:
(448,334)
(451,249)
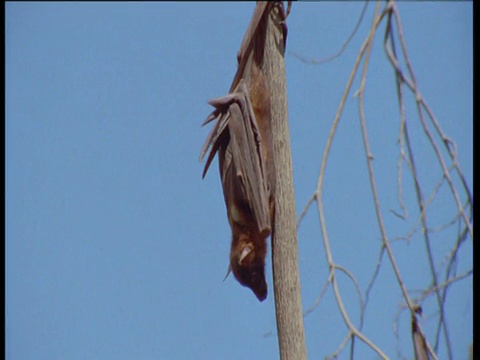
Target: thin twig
(373,185)
(367,44)
(319,298)
(339,52)
(463,216)
(426,293)
(305,209)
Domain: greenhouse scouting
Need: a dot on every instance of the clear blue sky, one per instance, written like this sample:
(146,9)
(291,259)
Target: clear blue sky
(115,247)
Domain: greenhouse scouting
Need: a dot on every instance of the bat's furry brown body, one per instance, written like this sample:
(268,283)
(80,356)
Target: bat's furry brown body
(242,138)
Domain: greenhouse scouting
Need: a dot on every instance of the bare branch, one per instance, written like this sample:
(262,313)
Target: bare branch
(288,305)
(339,52)
(462,214)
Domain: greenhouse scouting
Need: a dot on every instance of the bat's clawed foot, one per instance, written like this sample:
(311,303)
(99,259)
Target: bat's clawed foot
(281,11)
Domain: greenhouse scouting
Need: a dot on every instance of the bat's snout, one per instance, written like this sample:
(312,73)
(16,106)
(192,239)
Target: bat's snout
(261,292)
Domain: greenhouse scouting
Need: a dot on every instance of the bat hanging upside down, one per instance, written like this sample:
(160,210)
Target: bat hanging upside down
(242,137)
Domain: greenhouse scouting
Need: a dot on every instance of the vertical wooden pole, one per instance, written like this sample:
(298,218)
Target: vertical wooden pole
(288,305)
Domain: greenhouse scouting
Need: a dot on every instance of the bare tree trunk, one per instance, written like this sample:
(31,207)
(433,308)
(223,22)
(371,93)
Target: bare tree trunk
(286,279)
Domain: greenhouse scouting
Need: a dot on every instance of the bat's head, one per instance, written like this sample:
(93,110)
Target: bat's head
(247,262)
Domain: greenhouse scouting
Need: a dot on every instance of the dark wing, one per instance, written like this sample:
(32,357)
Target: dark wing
(236,133)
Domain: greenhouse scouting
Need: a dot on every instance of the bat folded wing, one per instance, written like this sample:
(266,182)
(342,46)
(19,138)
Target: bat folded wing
(236,132)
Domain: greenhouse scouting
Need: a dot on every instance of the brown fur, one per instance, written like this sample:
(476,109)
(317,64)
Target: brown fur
(242,137)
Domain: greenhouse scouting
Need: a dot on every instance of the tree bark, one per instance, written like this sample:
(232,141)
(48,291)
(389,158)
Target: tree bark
(286,279)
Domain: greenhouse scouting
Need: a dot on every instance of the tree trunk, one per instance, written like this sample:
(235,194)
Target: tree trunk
(286,279)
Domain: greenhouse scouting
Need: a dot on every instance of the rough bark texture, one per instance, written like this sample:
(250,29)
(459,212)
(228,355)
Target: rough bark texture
(286,277)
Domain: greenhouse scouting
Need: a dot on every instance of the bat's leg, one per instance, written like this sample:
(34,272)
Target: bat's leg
(252,29)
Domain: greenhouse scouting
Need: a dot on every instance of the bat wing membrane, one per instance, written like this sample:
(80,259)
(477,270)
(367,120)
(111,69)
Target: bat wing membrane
(244,180)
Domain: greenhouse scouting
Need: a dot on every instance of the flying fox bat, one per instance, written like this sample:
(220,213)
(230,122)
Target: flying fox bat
(242,137)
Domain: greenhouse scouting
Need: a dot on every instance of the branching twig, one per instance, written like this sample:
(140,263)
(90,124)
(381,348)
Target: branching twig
(426,293)
(319,191)
(339,52)
(407,151)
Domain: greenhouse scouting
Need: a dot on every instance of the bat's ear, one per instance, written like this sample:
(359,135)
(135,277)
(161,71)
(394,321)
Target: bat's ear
(245,251)
(228,272)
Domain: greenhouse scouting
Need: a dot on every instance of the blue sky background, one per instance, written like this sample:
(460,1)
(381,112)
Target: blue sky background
(115,247)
